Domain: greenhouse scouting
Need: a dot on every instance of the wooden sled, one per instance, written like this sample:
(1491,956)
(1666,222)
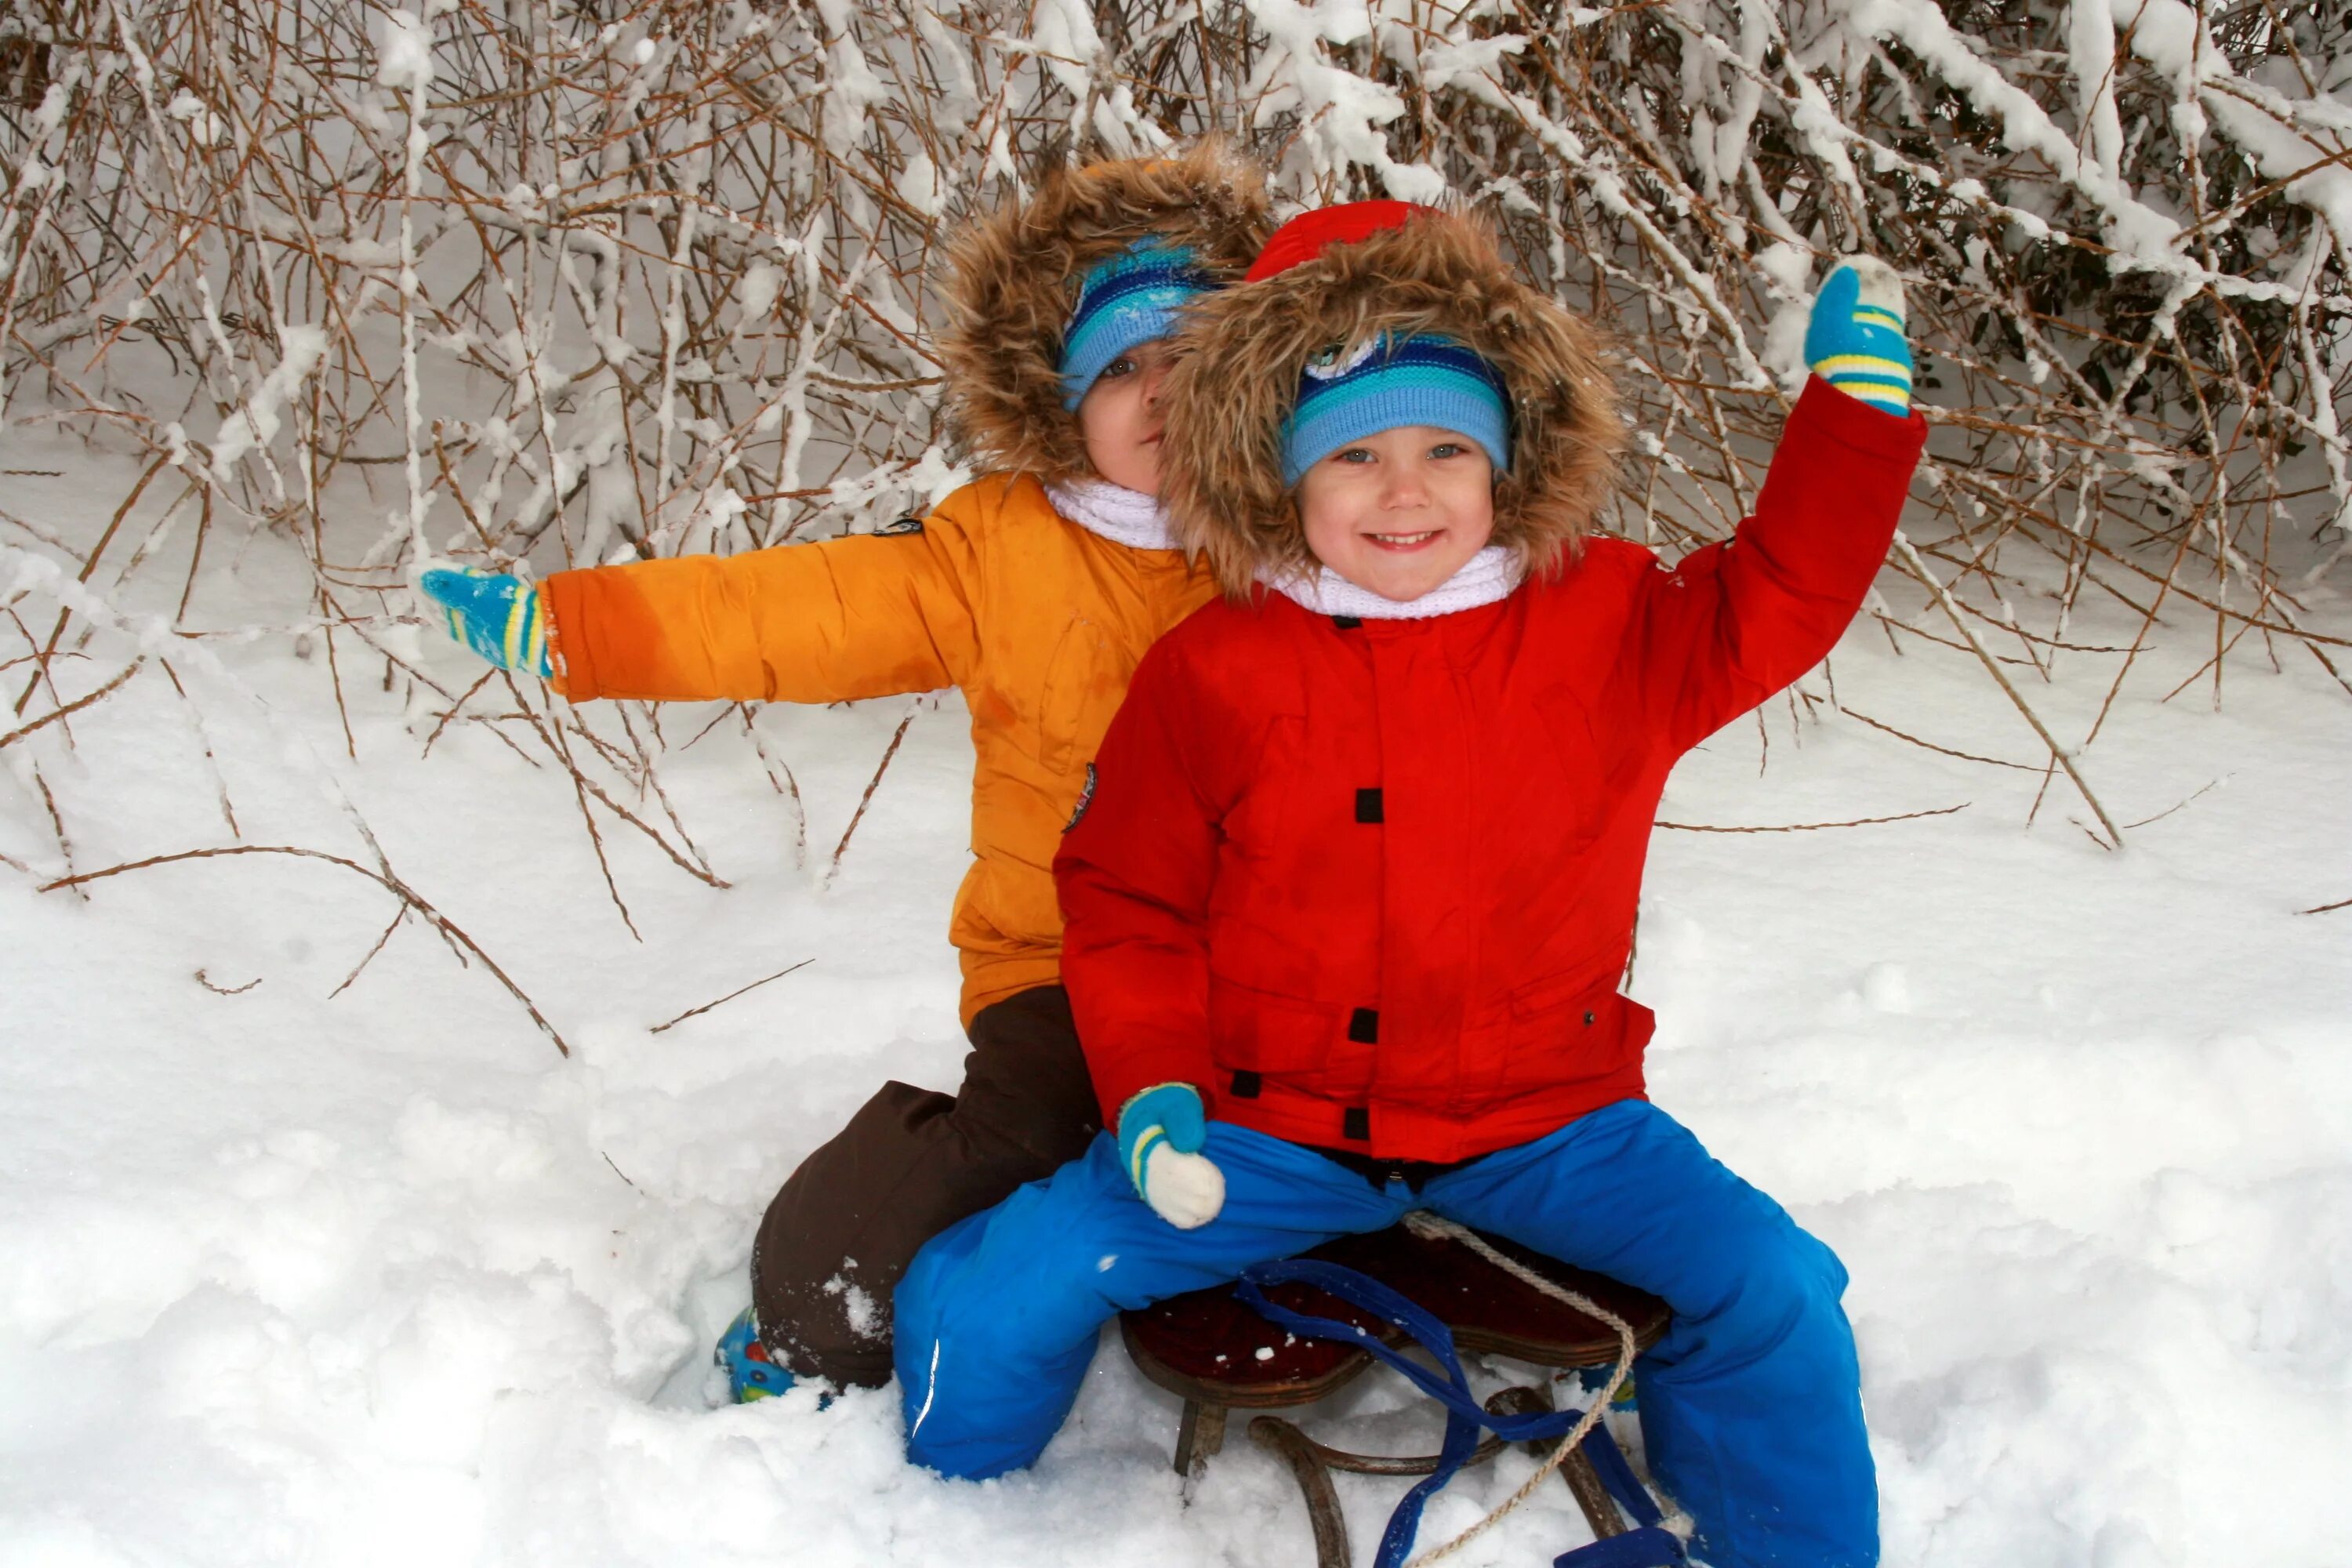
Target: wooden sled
(1217,1356)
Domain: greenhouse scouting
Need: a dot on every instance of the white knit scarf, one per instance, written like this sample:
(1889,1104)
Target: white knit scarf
(1121,515)
(1138,521)
(1490,575)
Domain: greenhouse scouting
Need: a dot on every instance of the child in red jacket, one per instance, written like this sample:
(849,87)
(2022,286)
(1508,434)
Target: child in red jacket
(1347,907)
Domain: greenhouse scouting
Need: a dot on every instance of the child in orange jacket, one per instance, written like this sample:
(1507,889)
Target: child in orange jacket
(1034,590)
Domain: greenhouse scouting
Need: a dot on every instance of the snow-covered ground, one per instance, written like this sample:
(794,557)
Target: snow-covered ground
(382,1278)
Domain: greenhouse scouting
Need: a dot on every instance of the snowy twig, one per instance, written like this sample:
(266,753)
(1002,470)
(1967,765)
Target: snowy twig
(647,281)
(76,706)
(707,1006)
(1816,826)
(833,867)
(1935,585)
(448,929)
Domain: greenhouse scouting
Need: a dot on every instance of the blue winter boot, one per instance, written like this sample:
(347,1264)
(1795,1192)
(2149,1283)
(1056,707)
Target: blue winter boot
(751,1373)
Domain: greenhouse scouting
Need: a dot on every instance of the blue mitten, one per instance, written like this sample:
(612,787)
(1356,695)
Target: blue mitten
(1855,340)
(1160,1132)
(496,616)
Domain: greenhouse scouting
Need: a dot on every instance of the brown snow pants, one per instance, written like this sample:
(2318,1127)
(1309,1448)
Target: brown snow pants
(911,1163)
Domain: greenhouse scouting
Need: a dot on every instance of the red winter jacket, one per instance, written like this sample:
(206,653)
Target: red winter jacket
(1371,885)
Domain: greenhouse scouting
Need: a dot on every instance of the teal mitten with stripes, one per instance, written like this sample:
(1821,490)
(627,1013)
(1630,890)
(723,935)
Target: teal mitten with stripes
(498,616)
(1855,341)
(1161,1132)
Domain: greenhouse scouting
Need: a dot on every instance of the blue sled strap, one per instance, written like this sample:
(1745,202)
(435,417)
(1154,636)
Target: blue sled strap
(1649,1545)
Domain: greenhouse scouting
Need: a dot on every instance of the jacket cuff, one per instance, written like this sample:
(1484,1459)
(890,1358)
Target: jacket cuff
(562,600)
(1117,1082)
(1869,433)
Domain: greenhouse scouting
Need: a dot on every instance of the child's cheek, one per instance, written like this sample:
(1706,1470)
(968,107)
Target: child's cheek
(1319,520)
(1477,512)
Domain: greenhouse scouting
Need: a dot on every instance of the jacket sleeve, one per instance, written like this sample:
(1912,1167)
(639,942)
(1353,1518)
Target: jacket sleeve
(1134,873)
(1739,620)
(864,615)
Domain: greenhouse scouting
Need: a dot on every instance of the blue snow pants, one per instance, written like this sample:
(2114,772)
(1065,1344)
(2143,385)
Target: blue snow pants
(1750,1405)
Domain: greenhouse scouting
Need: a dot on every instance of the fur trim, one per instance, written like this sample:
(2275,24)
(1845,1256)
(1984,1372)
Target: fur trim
(1236,378)
(1014,278)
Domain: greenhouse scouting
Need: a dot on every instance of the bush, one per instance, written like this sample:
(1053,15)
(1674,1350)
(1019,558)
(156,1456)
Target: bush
(552,281)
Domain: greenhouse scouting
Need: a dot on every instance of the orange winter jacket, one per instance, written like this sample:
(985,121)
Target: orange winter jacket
(1039,623)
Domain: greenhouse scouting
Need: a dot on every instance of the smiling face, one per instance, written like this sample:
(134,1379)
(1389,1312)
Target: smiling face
(1400,512)
(1119,418)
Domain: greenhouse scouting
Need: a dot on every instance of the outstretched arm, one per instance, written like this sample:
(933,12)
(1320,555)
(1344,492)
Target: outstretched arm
(867,616)
(1739,620)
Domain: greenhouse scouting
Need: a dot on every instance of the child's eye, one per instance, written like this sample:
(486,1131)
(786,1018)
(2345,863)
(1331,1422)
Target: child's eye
(1118,367)
(1448,449)
(1353,455)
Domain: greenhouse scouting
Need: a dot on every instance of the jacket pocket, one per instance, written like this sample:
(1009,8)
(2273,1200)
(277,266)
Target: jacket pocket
(1565,1030)
(1262,1031)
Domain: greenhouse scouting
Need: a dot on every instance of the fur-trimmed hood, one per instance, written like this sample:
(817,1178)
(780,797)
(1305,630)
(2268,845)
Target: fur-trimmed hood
(1242,352)
(1014,278)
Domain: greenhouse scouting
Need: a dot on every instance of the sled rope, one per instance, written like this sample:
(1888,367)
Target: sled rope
(1421,1222)
(1652,1542)
(1649,1545)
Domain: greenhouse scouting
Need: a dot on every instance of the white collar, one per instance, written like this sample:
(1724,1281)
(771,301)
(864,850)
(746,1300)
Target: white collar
(1121,515)
(1490,575)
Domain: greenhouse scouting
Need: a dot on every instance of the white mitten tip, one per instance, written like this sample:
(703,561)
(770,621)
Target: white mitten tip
(1188,1191)
(1882,286)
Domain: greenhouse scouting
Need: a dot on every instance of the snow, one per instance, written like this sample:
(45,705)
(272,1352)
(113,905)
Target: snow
(205,128)
(381,1278)
(859,1308)
(405,52)
(312,1252)
(919,185)
(2142,236)
(254,425)
(2172,37)
(851,90)
(1340,113)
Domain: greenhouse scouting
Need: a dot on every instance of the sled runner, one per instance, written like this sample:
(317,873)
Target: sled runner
(1330,1313)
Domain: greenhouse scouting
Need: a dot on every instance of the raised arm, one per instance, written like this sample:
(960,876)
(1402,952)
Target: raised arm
(1736,621)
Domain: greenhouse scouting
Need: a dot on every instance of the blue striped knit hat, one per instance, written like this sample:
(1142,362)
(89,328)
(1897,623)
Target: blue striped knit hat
(1129,299)
(1391,381)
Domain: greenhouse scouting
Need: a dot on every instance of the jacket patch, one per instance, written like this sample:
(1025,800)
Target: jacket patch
(902,526)
(1086,799)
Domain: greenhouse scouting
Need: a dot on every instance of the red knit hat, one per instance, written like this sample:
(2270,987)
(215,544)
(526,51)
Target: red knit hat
(1304,237)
